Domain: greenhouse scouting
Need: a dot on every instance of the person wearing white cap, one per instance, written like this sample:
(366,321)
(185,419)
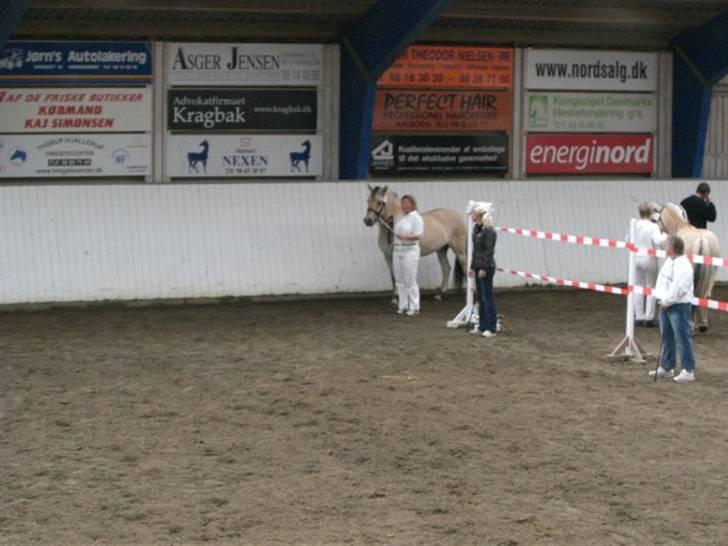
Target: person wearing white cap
(482,267)
(647,235)
(408,230)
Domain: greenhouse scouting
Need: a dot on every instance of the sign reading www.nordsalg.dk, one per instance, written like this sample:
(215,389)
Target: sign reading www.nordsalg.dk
(590,70)
(589,154)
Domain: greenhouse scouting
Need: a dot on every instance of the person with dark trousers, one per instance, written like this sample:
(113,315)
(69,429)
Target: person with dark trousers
(699,208)
(483,268)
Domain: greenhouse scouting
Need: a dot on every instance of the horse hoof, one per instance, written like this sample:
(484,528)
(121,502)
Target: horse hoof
(703,328)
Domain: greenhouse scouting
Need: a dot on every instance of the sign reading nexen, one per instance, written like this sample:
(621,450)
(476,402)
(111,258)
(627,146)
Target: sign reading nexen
(589,154)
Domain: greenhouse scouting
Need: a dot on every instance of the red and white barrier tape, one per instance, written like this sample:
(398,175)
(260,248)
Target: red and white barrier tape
(701,302)
(608,243)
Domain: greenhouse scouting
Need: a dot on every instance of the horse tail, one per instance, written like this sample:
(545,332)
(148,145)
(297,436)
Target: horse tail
(459,274)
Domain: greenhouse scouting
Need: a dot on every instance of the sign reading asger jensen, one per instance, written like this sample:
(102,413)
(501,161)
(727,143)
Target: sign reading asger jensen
(245,109)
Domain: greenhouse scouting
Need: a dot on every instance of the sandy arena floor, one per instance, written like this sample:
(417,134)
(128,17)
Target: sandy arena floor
(337,422)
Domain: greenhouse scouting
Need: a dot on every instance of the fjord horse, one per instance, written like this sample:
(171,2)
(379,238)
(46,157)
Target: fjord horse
(444,228)
(697,241)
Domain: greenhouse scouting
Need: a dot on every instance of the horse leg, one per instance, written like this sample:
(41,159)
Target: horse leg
(446,268)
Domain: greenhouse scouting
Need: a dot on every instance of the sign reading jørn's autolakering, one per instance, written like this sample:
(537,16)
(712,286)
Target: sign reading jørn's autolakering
(241,110)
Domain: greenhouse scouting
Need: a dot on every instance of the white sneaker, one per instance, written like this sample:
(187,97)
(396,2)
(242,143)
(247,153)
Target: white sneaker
(488,333)
(662,372)
(400,311)
(475,330)
(412,312)
(685,377)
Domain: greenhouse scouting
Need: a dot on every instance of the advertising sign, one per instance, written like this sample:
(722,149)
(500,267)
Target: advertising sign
(244,155)
(33,63)
(591,112)
(401,110)
(573,69)
(66,110)
(46,156)
(589,154)
(394,155)
(244,64)
(247,110)
(431,66)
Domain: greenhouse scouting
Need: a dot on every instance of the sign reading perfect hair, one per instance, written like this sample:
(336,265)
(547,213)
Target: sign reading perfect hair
(591,112)
(32,63)
(50,156)
(244,64)
(244,109)
(70,110)
(589,154)
(401,110)
(394,155)
(586,70)
(244,156)
(425,66)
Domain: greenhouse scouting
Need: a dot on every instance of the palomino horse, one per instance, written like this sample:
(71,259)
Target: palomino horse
(697,241)
(444,228)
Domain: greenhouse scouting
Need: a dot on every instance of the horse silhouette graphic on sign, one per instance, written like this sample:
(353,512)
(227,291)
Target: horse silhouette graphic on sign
(301,157)
(195,158)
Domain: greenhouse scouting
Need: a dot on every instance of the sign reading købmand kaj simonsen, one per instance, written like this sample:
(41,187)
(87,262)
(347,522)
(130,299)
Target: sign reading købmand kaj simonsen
(244,64)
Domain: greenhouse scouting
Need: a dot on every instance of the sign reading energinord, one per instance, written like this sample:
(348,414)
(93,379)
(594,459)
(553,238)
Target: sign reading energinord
(394,155)
(242,156)
(244,64)
(432,66)
(241,110)
(431,111)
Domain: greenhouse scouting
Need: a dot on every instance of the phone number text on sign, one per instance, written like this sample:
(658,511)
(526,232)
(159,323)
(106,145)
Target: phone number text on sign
(451,67)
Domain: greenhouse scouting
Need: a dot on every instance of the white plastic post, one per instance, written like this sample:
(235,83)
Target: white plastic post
(466,315)
(628,348)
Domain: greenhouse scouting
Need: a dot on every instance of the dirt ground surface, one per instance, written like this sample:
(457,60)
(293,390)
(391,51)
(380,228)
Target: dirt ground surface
(338,422)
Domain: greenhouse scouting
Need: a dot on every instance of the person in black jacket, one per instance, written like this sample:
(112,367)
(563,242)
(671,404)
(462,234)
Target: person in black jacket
(699,208)
(482,267)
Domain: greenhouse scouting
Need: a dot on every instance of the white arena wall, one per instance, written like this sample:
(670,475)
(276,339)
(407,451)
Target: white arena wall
(68,243)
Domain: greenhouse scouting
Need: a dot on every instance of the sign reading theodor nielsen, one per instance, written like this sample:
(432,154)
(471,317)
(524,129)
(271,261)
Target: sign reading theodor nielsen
(249,110)
(244,64)
(402,110)
(394,155)
(591,112)
(435,66)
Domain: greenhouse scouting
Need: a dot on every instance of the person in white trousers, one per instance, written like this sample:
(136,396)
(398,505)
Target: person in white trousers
(408,230)
(648,235)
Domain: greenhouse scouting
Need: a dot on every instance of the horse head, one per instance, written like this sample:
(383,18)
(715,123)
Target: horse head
(381,205)
(671,218)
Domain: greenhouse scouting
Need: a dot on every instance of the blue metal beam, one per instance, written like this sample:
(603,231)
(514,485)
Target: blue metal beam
(700,60)
(369,46)
(11,13)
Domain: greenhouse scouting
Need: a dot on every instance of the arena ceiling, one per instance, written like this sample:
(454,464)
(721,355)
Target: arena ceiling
(647,24)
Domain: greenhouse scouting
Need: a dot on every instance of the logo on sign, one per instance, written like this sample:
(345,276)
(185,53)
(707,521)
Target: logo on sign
(17,156)
(120,156)
(538,107)
(195,159)
(11,58)
(298,158)
(384,152)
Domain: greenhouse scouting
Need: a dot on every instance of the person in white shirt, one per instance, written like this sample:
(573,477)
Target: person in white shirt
(648,235)
(674,290)
(408,230)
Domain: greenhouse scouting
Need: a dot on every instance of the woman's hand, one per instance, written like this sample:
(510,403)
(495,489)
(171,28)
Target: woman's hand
(481,273)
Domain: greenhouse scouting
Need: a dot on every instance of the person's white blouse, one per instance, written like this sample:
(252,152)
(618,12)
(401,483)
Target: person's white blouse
(409,224)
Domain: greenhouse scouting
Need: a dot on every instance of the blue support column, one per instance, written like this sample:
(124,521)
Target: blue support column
(11,13)
(700,60)
(369,46)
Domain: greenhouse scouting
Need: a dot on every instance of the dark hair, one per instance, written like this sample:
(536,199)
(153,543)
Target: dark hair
(703,187)
(677,244)
(410,199)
